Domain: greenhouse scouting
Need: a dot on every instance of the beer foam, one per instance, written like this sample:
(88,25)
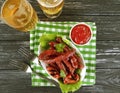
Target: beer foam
(50,3)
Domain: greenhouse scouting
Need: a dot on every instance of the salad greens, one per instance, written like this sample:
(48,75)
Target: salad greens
(65,88)
(78,71)
(45,39)
(44,44)
(69,87)
(62,74)
(60,47)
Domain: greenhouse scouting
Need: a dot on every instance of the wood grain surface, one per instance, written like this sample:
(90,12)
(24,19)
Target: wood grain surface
(106,15)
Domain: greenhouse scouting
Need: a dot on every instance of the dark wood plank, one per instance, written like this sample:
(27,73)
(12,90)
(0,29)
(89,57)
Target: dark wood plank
(107,27)
(91,10)
(108,53)
(8,50)
(97,1)
(8,33)
(107,82)
(105,13)
(106,17)
(87,7)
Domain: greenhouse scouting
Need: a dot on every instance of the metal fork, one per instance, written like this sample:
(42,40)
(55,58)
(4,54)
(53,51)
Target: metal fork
(30,56)
(27,54)
(19,65)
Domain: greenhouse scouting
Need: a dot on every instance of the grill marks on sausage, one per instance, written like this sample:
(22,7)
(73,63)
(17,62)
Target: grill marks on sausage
(68,61)
(70,79)
(60,57)
(53,71)
(48,54)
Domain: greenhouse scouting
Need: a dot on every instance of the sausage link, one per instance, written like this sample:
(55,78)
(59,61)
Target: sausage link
(69,79)
(73,61)
(68,64)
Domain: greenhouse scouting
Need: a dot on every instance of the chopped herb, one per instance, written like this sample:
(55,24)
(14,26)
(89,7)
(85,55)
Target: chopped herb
(59,47)
(62,74)
(78,71)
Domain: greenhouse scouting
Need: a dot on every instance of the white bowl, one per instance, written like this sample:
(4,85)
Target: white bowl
(83,71)
(75,26)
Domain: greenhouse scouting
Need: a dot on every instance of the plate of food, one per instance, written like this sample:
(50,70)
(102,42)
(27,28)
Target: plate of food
(62,61)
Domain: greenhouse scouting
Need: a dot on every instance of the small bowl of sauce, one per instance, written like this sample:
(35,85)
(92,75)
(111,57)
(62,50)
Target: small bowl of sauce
(80,34)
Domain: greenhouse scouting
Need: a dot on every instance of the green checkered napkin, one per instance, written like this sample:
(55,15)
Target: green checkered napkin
(88,51)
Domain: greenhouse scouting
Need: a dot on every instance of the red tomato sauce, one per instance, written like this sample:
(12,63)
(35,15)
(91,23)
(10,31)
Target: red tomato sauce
(81,34)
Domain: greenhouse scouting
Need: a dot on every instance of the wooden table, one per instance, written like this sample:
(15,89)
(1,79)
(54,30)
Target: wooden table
(106,14)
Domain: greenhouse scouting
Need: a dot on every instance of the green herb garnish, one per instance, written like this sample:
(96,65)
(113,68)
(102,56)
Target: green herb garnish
(62,74)
(59,47)
(78,71)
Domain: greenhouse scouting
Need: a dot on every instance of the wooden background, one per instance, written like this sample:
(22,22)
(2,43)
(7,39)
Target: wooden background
(106,14)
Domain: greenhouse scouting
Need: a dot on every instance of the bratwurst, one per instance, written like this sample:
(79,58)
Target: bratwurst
(65,60)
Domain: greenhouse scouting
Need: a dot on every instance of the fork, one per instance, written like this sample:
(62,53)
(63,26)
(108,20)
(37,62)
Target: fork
(23,66)
(30,56)
(19,65)
(27,54)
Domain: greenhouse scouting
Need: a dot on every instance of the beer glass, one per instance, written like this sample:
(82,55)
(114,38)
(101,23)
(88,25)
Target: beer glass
(51,8)
(19,14)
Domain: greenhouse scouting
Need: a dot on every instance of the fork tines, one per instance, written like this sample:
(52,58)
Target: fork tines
(27,54)
(19,65)
(30,56)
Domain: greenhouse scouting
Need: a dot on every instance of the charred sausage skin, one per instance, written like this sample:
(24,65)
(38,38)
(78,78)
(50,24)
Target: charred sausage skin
(68,61)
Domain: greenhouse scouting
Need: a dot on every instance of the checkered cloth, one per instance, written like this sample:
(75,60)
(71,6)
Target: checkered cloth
(63,28)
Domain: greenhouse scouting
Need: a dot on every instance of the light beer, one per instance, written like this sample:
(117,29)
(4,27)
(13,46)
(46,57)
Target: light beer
(51,8)
(19,14)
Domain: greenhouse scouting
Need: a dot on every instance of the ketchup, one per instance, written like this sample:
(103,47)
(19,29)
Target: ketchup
(81,34)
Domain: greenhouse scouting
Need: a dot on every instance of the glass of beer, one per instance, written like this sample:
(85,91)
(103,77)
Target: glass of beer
(51,8)
(19,14)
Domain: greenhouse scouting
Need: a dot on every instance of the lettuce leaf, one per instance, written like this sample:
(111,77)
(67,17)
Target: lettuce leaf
(65,88)
(44,44)
(45,39)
